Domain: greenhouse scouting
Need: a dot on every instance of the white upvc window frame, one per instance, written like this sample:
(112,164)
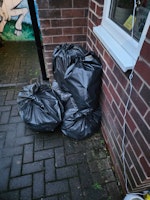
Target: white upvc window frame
(122,47)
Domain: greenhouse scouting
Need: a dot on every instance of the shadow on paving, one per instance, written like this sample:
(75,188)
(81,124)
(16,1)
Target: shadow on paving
(46,166)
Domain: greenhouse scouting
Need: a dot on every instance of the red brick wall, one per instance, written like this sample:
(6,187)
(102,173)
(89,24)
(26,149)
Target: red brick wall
(115,94)
(62,21)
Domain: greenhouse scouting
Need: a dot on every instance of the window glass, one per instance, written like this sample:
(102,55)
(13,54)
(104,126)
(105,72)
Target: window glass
(121,12)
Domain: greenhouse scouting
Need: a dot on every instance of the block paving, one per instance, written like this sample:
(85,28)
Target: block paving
(45,166)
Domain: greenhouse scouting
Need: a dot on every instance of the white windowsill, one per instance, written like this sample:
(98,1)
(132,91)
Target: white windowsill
(116,50)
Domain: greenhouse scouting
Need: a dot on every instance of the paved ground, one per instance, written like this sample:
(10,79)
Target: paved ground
(45,166)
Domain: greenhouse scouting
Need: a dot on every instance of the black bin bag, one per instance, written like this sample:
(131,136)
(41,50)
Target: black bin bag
(80,124)
(63,56)
(64,96)
(40,107)
(83,80)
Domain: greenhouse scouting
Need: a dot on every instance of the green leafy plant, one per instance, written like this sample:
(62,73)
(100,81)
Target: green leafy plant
(97,186)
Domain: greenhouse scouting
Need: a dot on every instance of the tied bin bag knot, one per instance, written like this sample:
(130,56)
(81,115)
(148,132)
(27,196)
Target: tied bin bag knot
(40,107)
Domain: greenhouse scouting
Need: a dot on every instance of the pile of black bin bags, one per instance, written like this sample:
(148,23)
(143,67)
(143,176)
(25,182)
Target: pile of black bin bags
(72,101)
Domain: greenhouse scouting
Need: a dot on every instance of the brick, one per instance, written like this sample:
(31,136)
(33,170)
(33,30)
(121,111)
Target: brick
(60,4)
(45,154)
(86,181)
(75,187)
(121,93)
(96,19)
(52,31)
(10,102)
(134,142)
(59,157)
(114,94)
(4,179)
(4,117)
(148,34)
(14,110)
(12,151)
(130,123)
(137,82)
(65,196)
(20,182)
(78,38)
(120,76)
(5,108)
(10,138)
(79,22)
(24,140)
(45,23)
(136,163)
(47,14)
(117,113)
(26,193)
(38,143)
(72,147)
(16,166)
(111,77)
(50,170)
(47,39)
(72,30)
(80,4)
(99,10)
(57,187)
(66,172)
(11,195)
(135,175)
(2,100)
(142,143)
(105,80)
(2,139)
(143,71)
(28,153)
(140,104)
(74,158)
(108,59)
(15,119)
(44,4)
(53,143)
(107,94)
(92,6)
(32,167)
(62,39)
(145,51)
(145,94)
(113,191)
(145,166)
(61,23)
(73,13)
(141,124)
(147,118)
(20,129)
(10,95)
(38,185)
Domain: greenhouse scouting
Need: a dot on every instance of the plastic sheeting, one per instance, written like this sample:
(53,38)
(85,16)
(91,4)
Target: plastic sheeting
(40,107)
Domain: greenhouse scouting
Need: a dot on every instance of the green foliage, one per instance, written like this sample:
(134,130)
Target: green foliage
(97,186)
(9,29)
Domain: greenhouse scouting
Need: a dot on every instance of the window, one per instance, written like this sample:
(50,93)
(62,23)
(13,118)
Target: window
(123,34)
